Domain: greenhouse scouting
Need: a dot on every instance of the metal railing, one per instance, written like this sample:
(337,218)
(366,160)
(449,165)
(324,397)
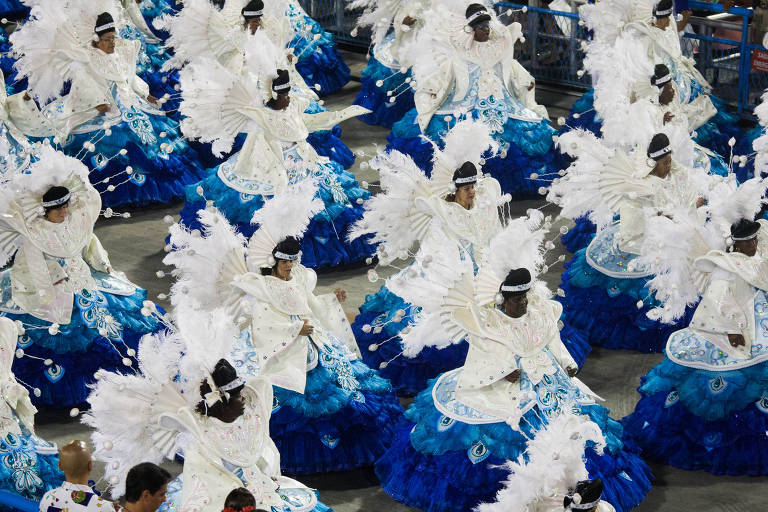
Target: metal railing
(552,48)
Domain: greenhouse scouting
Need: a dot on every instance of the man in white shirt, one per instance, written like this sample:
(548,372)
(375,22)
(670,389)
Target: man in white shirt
(75,495)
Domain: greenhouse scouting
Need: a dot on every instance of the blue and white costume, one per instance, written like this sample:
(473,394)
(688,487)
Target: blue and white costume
(459,78)
(705,407)
(77,314)
(459,432)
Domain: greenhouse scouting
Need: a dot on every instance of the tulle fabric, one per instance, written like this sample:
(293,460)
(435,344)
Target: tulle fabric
(329,428)
(377,99)
(530,151)
(441,465)
(605,309)
(410,375)
(703,420)
(78,351)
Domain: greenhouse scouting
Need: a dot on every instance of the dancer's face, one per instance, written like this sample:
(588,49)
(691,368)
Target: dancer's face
(667,94)
(106,42)
(748,247)
(662,23)
(283,269)
(465,196)
(57,215)
(516,305)
(232,409)
(482,32)
(282,101)
(252,25)
(663,167)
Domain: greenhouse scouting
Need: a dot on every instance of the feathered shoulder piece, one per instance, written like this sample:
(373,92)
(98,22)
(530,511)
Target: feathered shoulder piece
(217,104)
(206,262)
(138,417)
(598,180)
(468,141)
(391,216)
(552,465)
(56,36)
(519,245)
(286,214)
(198,30)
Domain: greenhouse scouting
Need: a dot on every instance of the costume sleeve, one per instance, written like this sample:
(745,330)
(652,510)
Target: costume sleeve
(96,256)
(718,312)
(271,331)
(140,87)
(484,364)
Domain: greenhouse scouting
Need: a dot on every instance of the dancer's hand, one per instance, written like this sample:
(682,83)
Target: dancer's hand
(306,329)
(532,85)
(513,377)
(736,340)
(668,116)
(103,108)
(409,21)
(340,294)
(572,371)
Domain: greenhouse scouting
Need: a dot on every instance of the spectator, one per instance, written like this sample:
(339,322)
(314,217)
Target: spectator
(241,500)
(75,495)
(145,487)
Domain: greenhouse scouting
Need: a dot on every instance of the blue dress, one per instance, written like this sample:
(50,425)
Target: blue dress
(382,81)
(13,9)
(447,456)
(703,409)
(603,303)
(28,464)
(345,419)
(104,332)
(524,138)
(319,62)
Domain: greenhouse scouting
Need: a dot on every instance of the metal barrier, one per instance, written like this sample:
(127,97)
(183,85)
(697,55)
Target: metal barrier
(552,49)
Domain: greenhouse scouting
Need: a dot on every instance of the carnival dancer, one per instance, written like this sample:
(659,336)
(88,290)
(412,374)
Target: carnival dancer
(385,84)
(188,400)
(518,378)
(274,156)
(604,285)
(331,411)
(456,211)
(76,313)
(108,117)
(704,407)
(465,69)
(28,467)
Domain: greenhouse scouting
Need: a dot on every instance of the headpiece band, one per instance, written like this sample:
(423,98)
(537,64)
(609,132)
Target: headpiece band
(584,506)
(665,12)
(477,15)
(56,202)
(253,13)
(104,27)
(232,385)
(663,79)
(743,238)
(468,179)
(516,287)
(663,151)
(289,257)
(281,87)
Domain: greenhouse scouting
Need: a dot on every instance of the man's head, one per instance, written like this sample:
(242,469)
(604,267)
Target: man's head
(252,13)
(662,78)
(662,12)
(660,152)
(281,89)
(56,204)
(145,486)
(75,461)
(744,235)
(514,291)
(464,179)
(105,32)
(585,497)
(286,254)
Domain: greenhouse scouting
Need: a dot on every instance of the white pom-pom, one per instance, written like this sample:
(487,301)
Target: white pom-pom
(108,132)
(732,141)
(73,412)
(392,100)
(321,102)
(543,191)
(145,312)
(37,392)
(580,73)
(48,362)
(522,38)
(560,292)
(160,274)
(563,230)
(368,261)
(373,276)
(127,362)
(199,190)
(19,353)
(383,365)
(353,32)
(576,115)
(359,200)
(534,176)
(379,83)
(561,121)
(639,304)
(317,87)
(123,152)
(53,330)
(373,347)
(111,188)
(367,328)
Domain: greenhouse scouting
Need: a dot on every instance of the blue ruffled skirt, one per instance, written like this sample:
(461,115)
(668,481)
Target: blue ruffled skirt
(375,97)
(319,62)
(78,350)
(28,465)
(707,420)
(605,309)
(411,375)
(324,244)
(529,149)
(345,418)
(13,9)
(439,464)
(157,175)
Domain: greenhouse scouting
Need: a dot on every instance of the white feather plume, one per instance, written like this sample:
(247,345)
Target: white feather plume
(206,262)
(731,202)
(467,141)
(286,214)
(392,216)
(553,463)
